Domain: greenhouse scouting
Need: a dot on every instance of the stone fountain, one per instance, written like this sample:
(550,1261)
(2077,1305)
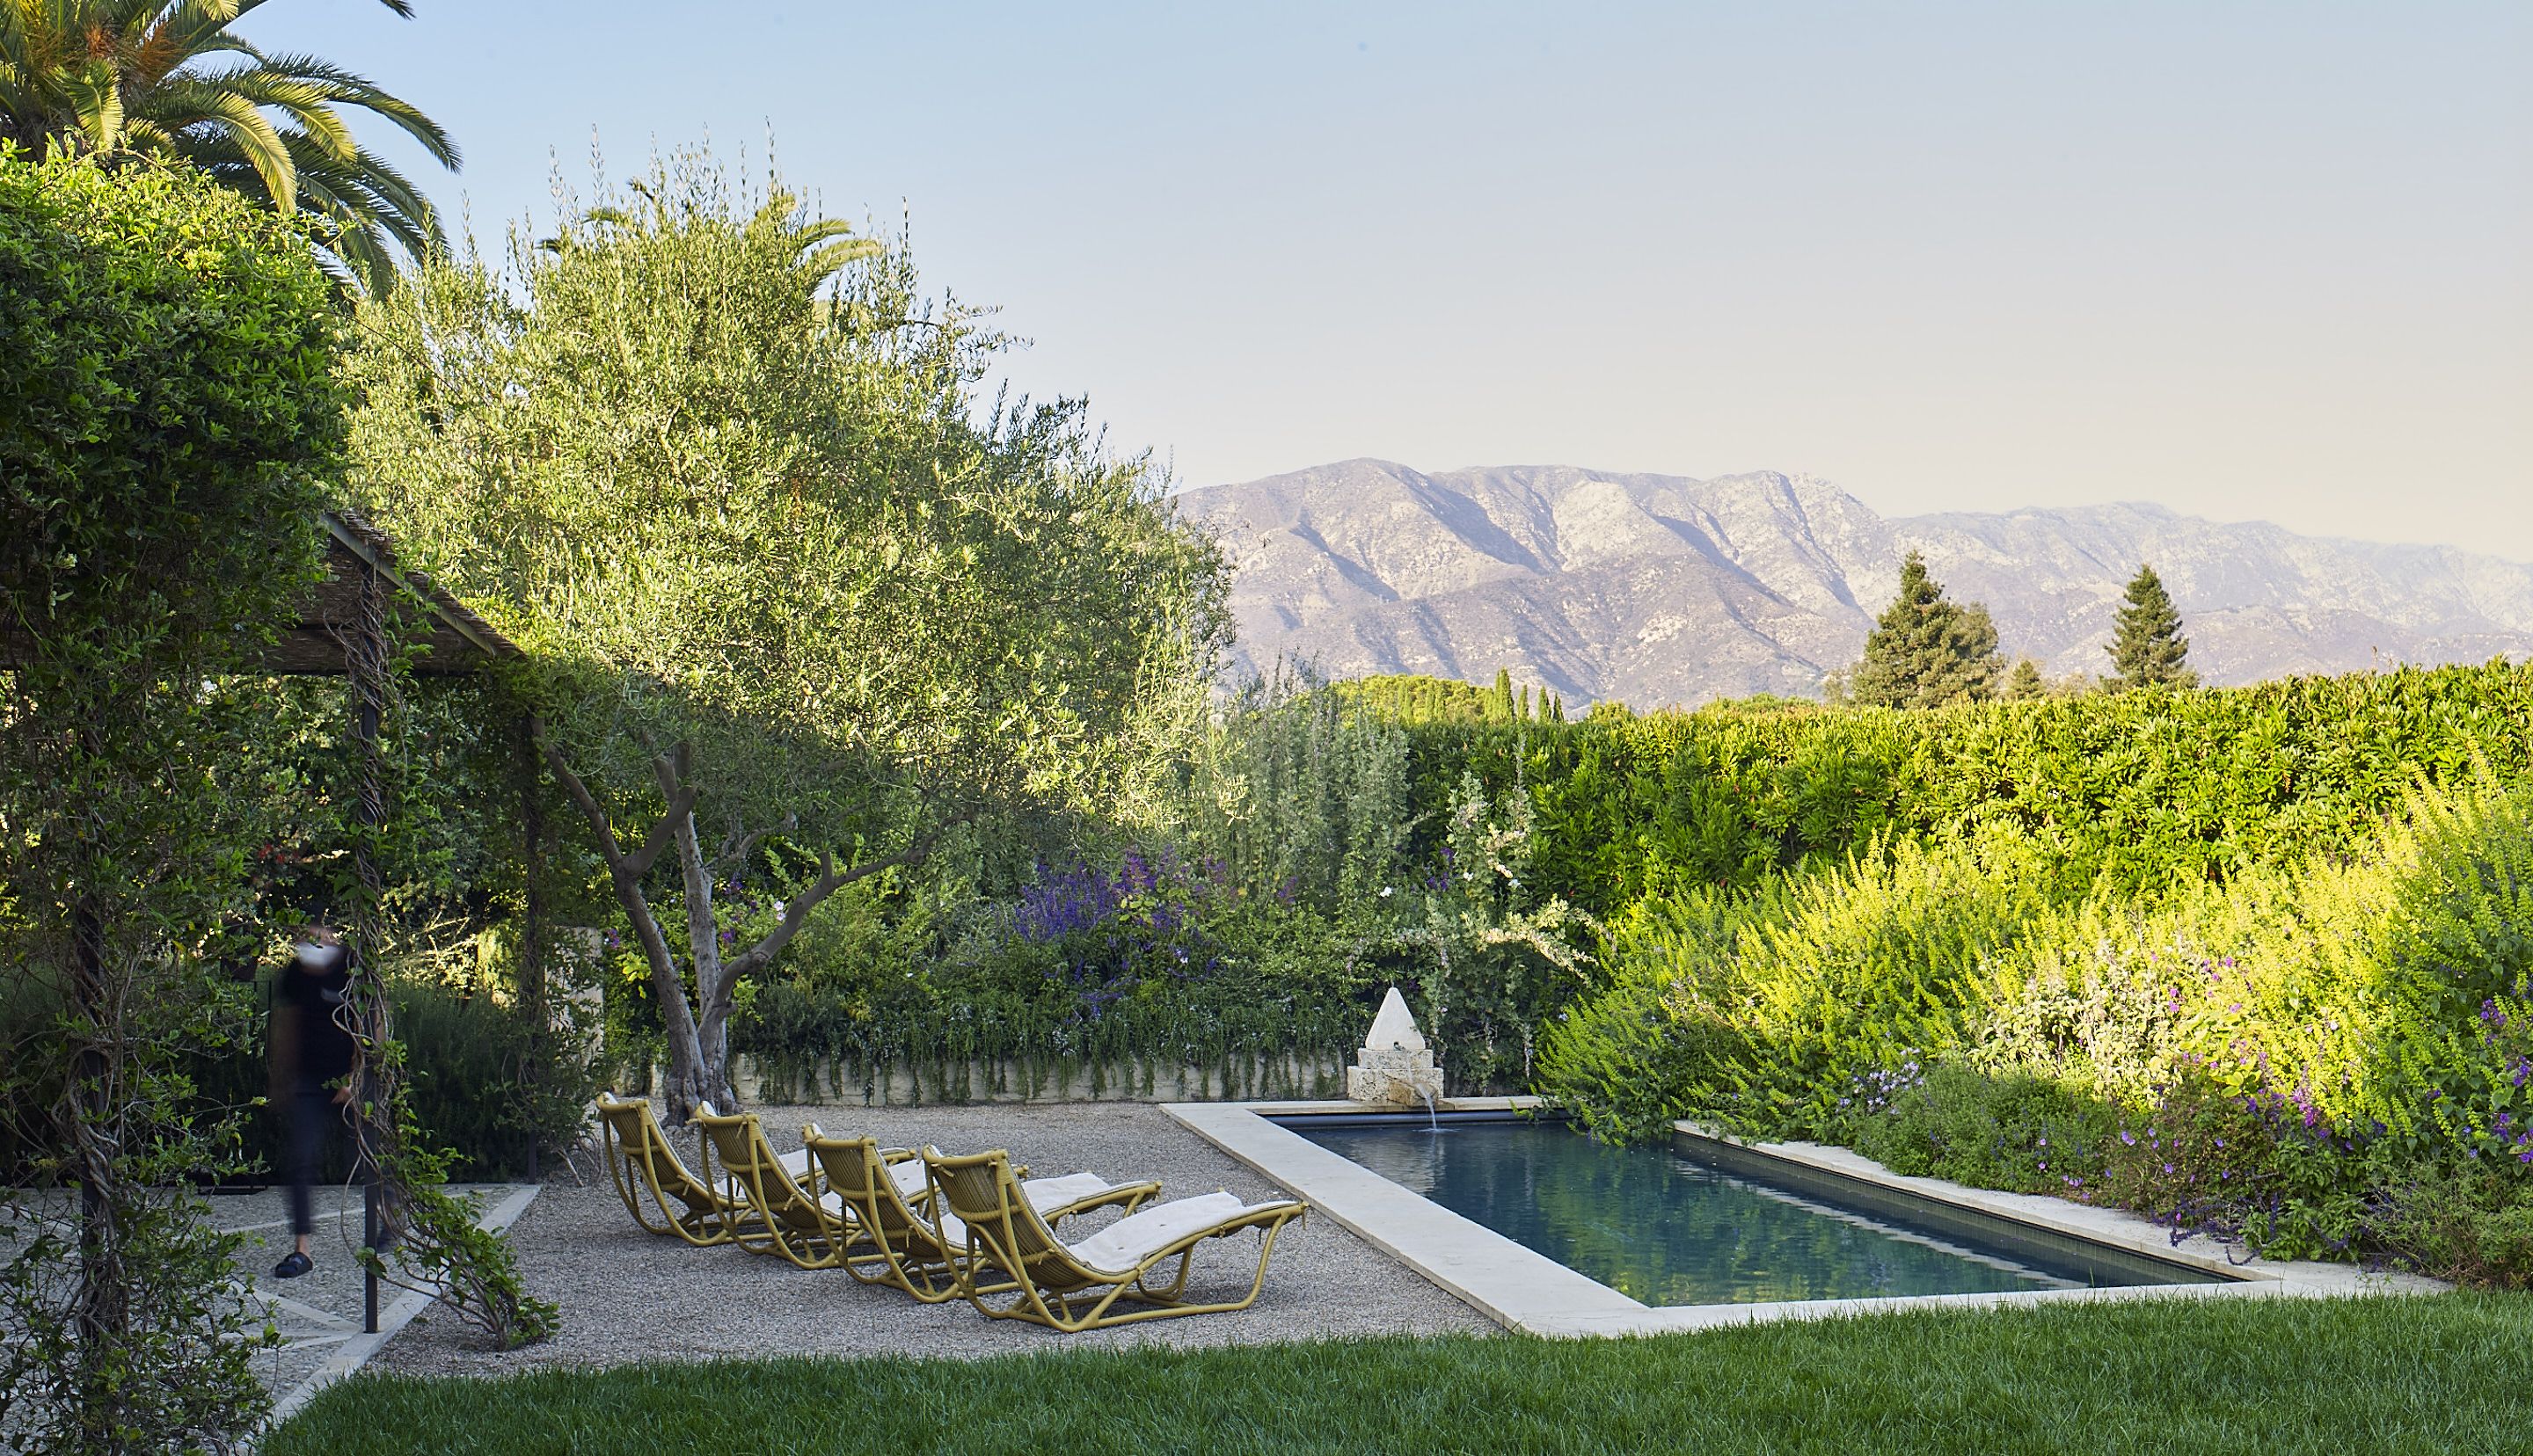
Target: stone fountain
(1394,1066)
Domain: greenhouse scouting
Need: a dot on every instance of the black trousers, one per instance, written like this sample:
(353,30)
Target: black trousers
(315,1121)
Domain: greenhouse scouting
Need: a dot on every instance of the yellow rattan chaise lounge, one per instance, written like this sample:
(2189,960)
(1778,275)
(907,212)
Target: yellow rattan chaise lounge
(907,1240)
(782,1211)
(644,1165)
(1072,1287)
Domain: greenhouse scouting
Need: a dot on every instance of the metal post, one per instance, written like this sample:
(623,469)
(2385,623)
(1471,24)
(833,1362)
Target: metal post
(369,1239)
(532,928)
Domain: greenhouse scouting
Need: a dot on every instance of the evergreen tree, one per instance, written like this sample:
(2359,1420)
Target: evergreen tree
(1522,712)
(2148,647)
(2024,683)
(1926,650)
(1500,702)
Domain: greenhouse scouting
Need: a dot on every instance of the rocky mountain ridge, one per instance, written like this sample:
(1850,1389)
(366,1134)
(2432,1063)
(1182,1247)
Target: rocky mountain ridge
(1658,590)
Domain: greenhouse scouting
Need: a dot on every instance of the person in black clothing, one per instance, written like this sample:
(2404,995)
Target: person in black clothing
(313,1055)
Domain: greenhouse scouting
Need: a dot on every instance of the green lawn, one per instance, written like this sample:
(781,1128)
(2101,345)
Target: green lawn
(2448,1372)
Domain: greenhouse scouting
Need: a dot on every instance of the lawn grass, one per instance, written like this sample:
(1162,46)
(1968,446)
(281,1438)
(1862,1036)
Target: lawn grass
(2442,1373)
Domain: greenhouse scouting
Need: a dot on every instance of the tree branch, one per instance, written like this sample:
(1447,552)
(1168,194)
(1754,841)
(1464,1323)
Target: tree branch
(625,866)
(740,842)
(795,911)
(628,876)
(590,808)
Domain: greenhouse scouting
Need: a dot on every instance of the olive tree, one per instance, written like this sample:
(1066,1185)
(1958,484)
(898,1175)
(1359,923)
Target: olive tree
(779,570)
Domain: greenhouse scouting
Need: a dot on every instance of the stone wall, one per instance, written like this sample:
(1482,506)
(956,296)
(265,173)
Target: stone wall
(1009,1081)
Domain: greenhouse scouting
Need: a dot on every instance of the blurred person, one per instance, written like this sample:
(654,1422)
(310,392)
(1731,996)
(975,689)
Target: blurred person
(312,1057)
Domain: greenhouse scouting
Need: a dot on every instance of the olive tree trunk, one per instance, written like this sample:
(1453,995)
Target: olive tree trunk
(695,1021)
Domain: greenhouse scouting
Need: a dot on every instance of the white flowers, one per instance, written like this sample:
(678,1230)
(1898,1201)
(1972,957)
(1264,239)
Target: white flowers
(1384,892)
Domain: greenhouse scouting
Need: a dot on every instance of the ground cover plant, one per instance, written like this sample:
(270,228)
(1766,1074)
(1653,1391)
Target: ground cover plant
(2441,1372)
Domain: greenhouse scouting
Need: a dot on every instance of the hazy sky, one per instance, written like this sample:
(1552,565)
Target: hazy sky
(2250,260)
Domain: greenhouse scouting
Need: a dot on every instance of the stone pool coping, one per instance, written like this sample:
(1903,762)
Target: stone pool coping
(1524,1290)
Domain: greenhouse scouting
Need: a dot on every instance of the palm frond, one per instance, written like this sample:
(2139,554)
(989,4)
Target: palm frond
(129,75)
(95,103)
(359,90)
(185,104)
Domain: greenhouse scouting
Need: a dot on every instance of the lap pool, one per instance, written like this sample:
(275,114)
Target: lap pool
(1665,1229)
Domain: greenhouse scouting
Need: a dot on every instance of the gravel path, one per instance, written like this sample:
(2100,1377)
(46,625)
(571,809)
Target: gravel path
(629,1295)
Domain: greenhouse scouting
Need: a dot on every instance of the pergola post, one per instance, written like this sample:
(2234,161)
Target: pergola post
(365,654)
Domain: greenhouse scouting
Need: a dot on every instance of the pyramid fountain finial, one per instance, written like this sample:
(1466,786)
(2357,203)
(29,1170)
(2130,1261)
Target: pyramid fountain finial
(1396,1065)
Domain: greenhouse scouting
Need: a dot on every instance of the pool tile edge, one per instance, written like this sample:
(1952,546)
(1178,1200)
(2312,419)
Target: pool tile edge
(1517,1287)
(2116,1227)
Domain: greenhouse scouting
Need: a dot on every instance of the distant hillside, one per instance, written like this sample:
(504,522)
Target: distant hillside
(1658,589)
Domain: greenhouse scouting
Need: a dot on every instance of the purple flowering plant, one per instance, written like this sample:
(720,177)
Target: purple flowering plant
(1102,934)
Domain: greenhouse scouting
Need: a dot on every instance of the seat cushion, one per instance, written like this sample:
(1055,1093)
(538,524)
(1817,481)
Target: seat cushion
(1122,1245)
(1044,1193)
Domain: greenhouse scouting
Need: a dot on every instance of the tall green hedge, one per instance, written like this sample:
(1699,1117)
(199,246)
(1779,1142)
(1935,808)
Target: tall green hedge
(2142,788)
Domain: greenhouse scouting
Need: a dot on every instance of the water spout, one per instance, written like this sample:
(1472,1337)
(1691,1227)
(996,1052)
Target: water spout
(1395,1067)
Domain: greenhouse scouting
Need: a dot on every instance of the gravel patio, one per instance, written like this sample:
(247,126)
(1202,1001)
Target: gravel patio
(629,1295)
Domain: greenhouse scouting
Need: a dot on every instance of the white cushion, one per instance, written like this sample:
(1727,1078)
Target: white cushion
(1122,1245)
(1044,1193)
(796,1162)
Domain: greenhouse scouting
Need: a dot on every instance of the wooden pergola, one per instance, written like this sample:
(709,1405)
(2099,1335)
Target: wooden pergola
(360,562)
(343,629)
(366,609)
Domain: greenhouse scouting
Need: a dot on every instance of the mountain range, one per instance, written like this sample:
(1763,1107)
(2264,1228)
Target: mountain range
(1656,590)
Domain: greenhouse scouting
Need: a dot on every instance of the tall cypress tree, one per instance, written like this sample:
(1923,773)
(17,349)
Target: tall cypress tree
(1926,650)
(2148,647)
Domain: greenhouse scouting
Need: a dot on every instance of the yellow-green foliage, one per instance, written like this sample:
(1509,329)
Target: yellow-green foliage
(1413,697)
(1760,1010)
(2384,992)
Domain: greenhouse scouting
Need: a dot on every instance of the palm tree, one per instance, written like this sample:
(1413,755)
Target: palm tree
(172,77)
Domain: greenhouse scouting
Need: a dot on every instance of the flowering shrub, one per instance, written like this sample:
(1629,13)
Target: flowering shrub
(2261,1060)
(2024,1133)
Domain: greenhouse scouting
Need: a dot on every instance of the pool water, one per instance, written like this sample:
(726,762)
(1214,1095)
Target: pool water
(1664,1229)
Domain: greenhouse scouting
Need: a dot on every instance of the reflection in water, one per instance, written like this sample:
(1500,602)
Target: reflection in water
(1664,1230)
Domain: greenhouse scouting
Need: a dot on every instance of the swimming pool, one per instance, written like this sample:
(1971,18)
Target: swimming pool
(1666,1229)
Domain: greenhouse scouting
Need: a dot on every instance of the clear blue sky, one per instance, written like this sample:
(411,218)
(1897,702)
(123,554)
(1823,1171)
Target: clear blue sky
(2269,259)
